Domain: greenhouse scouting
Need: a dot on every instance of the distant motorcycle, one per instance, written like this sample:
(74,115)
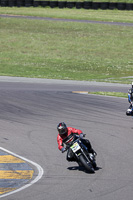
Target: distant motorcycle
(82,156)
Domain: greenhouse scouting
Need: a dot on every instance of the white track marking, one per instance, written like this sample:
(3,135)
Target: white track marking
(39,168)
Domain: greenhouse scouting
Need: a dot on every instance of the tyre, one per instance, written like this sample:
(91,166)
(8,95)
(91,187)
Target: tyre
(104,5)
(62,4)
(53,4)
(87,5)
(129,6)
(121,6)
(94,164)
(79,5)
(70,4)
(129,112)
(112,5)
(87,166)
(4,3)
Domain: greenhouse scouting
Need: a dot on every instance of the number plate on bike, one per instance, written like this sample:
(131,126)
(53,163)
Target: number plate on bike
(75,147)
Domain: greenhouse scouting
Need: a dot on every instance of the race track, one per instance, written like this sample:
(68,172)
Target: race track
(29,114)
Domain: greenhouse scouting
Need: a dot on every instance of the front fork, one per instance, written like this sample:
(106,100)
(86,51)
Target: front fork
(77,154)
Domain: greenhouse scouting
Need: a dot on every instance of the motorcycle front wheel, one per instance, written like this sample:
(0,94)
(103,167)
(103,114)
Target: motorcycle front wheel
(86,164)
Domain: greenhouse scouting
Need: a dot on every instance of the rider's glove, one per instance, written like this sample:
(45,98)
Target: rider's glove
(81,135)
(63,149)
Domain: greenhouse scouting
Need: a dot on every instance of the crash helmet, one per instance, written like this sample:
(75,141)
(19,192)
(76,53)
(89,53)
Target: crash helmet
(62,128)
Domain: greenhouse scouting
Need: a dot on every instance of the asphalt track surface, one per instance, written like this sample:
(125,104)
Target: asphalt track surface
(30,110)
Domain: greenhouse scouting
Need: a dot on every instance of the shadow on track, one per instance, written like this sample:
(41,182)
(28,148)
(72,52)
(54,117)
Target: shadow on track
(80,168)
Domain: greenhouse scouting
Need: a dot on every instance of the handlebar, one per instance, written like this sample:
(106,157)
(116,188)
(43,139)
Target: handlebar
(77,138)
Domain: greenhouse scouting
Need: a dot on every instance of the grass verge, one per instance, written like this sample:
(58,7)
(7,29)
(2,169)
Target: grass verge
(83,14)
(66,50)
(115,94)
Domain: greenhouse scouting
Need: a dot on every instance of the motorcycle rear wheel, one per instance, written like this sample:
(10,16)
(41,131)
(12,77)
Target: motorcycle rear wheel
(87,165)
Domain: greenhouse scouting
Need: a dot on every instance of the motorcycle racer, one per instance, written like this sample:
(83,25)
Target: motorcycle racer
(130,96)
(66,135)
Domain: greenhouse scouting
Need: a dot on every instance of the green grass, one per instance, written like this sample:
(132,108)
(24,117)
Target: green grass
(116,1)
(66,50)
(83,14)
(115,94)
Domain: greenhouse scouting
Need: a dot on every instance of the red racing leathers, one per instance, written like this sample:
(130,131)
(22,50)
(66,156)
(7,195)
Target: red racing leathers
(67,138)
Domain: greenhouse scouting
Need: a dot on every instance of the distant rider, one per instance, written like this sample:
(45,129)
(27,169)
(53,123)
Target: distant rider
(66,135)
(130,96)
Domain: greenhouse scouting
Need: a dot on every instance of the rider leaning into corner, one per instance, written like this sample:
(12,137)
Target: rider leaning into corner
(66,135)
(130,96)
